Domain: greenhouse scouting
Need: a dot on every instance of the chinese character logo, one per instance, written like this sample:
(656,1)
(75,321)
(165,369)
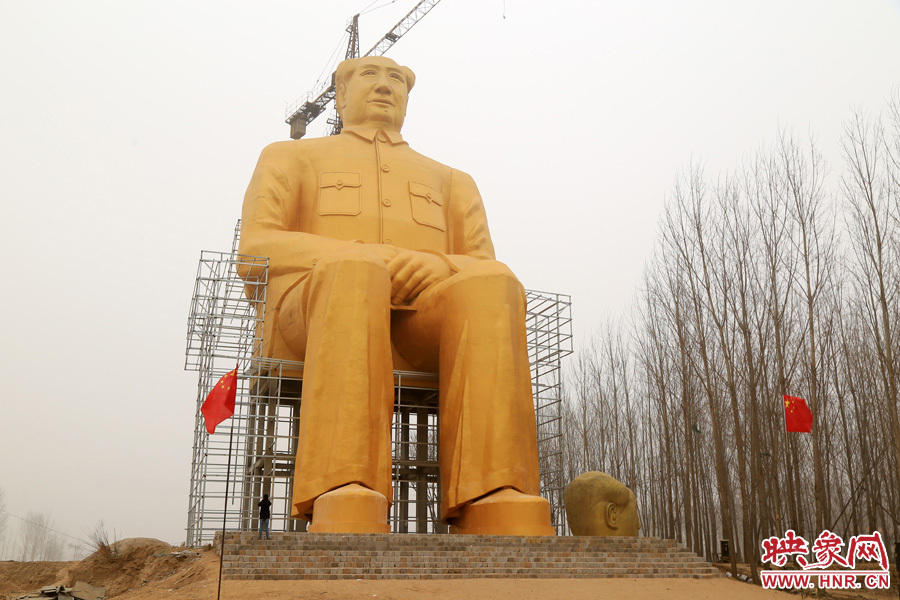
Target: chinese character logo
(831,567)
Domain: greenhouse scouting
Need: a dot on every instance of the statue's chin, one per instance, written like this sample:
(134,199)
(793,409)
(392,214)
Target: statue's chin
(382,117)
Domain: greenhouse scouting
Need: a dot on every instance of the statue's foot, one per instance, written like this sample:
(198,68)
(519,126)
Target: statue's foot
(350,509)
(505,512)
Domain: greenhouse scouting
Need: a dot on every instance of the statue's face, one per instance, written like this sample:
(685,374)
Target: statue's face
(375,95)
(609,518)
(627,520)
(595,506)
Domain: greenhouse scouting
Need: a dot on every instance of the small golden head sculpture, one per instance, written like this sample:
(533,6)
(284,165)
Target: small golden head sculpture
(599,505)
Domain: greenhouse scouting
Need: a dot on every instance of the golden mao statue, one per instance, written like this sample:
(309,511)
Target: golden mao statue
(381,257)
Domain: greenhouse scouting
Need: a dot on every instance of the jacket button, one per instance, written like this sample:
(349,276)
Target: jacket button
(386,201)
(339,184)
(386,168)
(388,241)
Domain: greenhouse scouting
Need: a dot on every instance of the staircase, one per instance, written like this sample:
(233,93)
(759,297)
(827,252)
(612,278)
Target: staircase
(432,556)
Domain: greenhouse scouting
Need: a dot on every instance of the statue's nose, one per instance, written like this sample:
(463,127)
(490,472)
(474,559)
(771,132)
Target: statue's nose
(381,85)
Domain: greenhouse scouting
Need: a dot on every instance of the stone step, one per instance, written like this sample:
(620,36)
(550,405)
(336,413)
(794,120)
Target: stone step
(464,573)
(477,571)
(412,556)
(413,561)
(467,556)
(375,573)
(538,555)
(413,539)
(409,561)
(456,544)
(472,550)
(311,577)
(435,565)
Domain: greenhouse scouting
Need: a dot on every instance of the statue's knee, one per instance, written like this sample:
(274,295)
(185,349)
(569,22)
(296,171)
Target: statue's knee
(494,282)
(492,270)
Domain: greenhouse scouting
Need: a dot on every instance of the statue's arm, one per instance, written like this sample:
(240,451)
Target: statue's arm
(470,237)
(470,241)
(271,208)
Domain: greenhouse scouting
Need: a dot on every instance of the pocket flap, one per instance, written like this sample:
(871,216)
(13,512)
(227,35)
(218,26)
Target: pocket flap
(339,180)
(423,191)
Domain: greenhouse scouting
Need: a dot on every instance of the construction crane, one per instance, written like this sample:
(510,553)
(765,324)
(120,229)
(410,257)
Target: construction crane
(299,117)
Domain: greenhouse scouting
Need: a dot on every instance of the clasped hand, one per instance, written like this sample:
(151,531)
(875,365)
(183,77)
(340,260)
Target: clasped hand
(411,271)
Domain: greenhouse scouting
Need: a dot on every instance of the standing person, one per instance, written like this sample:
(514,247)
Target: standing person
(264,516)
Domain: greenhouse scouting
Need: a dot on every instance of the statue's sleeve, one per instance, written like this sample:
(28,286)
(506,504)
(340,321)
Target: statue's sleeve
(269,219)
(470,239)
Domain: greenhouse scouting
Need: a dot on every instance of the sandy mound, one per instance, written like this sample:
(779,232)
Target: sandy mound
(128,564)
(140,543)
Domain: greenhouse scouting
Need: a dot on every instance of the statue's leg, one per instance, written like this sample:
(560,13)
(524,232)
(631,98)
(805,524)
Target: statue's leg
(488,438)
(345,414)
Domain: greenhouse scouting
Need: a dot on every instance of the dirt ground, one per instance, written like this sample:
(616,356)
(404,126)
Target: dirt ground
(144,569)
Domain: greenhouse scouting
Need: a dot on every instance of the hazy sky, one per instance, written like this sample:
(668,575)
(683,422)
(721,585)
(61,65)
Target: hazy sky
(130,130)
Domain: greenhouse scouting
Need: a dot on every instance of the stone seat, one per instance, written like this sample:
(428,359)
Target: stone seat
(275,393)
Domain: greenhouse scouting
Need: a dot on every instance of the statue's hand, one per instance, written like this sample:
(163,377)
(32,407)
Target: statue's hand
(383,251)
(412,272)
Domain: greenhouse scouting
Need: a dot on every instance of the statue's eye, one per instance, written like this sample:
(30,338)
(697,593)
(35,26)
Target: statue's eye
(396,76)
(368,72)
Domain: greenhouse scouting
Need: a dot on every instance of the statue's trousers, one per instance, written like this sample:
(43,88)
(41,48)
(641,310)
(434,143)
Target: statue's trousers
(470,328)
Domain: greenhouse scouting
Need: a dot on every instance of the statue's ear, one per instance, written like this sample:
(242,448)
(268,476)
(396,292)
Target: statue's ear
(340,95)
(410,78)
(612,515)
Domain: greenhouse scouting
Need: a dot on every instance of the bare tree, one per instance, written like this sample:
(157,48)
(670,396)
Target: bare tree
(103,541)
(870,189)
(37,538)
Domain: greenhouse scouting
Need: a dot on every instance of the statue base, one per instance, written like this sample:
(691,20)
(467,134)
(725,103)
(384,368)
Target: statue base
(505,512)
(350,509)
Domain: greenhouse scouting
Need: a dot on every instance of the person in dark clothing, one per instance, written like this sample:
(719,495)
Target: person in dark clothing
(264,516)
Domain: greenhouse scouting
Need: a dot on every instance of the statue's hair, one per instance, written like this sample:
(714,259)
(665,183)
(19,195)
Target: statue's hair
(346,68)
(610,489)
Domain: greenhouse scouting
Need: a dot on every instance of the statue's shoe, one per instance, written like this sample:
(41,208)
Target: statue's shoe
(350,509)
(505,512)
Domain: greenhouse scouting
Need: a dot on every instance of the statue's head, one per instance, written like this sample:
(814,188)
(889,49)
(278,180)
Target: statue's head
(372,92)
(597,504)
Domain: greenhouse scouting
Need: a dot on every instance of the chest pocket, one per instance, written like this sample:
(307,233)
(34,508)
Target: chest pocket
(427,206)
(339,194)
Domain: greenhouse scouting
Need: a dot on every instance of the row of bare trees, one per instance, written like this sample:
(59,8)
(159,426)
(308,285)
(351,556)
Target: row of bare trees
(32,538)
(771,280)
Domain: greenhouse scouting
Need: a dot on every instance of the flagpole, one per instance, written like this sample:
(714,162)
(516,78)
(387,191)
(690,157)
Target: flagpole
(225,509)
(225,513)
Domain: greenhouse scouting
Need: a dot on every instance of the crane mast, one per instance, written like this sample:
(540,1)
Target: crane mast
(300,116)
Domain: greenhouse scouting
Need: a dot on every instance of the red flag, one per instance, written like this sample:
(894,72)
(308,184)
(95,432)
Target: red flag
(797,416)
(219,403)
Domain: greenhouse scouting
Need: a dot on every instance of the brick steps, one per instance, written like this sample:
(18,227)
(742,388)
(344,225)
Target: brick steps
(529,574)
(410,556)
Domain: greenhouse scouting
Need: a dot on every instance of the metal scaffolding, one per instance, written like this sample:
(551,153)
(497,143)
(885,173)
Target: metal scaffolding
(548,325)
(225,329)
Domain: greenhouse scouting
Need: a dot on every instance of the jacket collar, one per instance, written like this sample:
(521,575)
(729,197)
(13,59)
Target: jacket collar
(368,134)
